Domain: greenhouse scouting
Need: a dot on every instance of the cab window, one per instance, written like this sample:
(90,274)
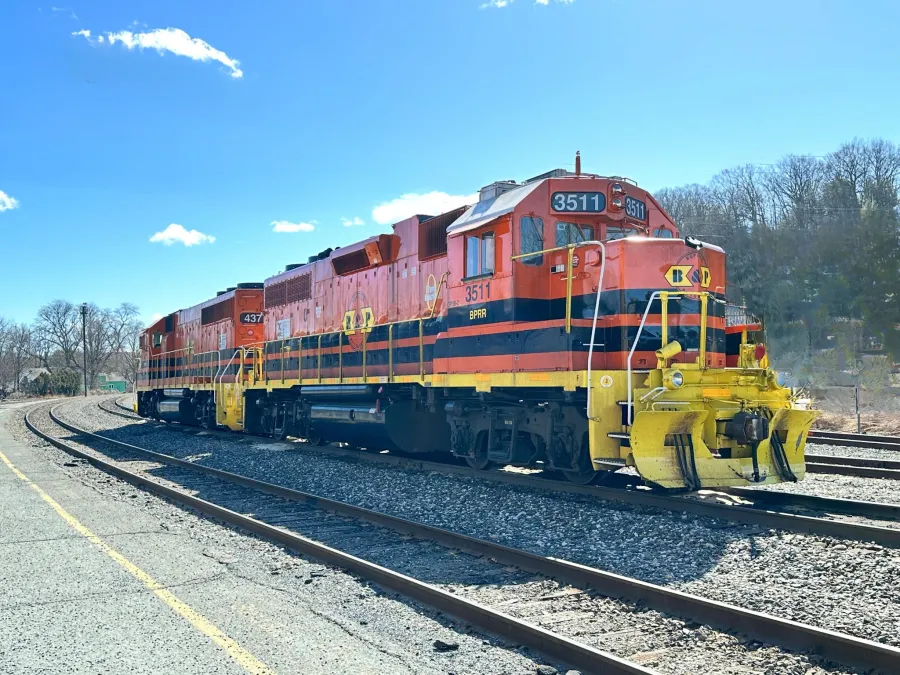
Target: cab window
(616,232)
(479,254)
(531,239)
(662,233)
(573,233)
(157,340)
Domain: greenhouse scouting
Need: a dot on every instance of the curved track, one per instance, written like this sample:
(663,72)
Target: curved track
(753,507)
(837,647)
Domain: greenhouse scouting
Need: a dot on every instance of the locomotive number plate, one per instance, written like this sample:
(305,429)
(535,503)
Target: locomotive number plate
(578,202)
(635,208)
(251,317)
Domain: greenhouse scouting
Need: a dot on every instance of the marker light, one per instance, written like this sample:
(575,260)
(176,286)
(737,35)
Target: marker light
(677,379)
(760,351)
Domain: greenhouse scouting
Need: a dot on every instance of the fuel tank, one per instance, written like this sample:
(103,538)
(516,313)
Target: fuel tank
(175,409)
(399,426)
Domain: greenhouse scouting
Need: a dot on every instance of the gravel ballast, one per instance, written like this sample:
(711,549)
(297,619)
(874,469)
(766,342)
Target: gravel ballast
(846,586)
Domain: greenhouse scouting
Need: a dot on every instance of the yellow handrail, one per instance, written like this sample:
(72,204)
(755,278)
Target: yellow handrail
(569,290)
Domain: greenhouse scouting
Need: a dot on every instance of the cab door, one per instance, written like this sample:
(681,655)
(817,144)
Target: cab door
(480,307)
(537,340)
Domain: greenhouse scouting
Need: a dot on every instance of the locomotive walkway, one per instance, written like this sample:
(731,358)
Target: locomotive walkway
(94,578)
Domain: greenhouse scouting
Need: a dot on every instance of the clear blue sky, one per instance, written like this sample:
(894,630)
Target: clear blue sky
(344,105)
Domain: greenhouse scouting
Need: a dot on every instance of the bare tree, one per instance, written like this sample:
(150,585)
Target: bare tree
(57,335)
(19,351)
(5,335)
(796,183)
(111,339)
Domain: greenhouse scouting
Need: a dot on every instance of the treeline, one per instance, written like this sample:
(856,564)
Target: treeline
(813,244)
(48,355)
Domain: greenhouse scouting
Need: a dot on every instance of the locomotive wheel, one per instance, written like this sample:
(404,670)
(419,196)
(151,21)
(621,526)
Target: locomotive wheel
(584,474)
(583,477)
(480,461)
(315,438)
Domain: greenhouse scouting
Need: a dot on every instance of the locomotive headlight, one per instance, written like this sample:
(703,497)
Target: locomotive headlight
(617,203)
(676,379)
(617,189)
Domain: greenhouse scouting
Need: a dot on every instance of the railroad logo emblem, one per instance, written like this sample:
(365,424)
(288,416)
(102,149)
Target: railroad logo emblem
(358,320)
(701,276)
(679,275)
(606,381)
(431,292)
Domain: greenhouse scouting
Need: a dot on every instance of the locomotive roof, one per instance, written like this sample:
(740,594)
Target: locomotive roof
(485,211)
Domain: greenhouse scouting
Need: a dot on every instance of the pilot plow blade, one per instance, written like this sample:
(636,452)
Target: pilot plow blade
(668,449)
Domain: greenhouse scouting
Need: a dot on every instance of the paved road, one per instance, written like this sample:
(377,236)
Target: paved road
(98,577)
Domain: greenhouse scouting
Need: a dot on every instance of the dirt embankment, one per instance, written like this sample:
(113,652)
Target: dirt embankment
(879,411)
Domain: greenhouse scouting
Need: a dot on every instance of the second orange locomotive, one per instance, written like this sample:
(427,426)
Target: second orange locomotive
(561,322)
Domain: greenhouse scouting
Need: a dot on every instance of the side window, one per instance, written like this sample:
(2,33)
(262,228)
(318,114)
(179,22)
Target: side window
(616,232)
(479,255)
(472,256)
(157,340)
(531,239)
(487,253)
(572,233)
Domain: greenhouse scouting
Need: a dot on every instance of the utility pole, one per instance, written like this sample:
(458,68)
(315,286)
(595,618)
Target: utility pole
(84,311)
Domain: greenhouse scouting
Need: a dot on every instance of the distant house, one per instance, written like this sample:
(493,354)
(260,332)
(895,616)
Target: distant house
(28,375)
(111,382)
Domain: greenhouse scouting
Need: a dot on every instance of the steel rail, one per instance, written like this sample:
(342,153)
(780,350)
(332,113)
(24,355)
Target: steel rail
(854,440)
(790,522)
(832,645)
(869,462)
(483,617)
(876,510)
(852,470)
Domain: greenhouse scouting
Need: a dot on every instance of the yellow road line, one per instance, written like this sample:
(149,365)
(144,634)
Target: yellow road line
(244,658)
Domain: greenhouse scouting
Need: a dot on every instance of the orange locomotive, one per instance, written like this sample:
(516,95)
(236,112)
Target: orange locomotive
(560,322)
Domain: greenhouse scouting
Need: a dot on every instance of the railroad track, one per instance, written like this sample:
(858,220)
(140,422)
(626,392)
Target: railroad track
(854,466)
(754,506)
(278,511)
(855,440)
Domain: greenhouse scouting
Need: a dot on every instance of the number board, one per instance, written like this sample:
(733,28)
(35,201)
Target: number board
(578,202)
(635,208)
(251,317)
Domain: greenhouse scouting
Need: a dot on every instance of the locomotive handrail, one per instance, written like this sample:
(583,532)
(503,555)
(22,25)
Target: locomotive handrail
(664,331)
(571,249)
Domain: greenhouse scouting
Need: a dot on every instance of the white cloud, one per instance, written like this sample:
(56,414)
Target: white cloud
(411,204)
(285,226)
(70,11)
(172,40)
(350,222)
(7,203)
(497,4)
(176,233)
